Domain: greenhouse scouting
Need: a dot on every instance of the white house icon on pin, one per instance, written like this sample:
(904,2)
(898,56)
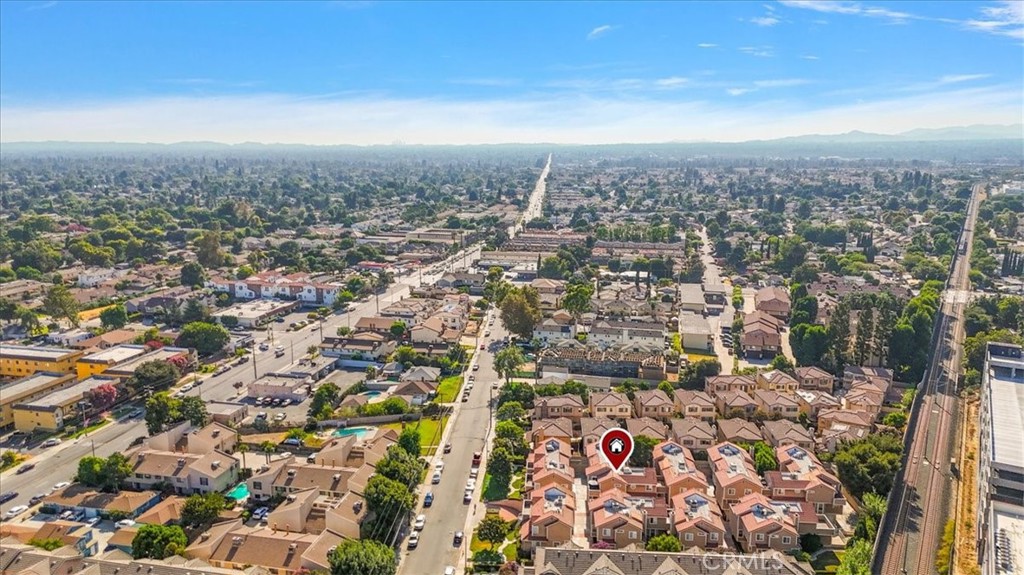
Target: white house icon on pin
(616,446)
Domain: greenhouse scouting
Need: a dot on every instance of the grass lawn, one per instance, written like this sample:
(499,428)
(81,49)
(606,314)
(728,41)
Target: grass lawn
(827,562)
(493,490)
(430,432)
(511,551)
(518,482)
(698,354)
(526,374)
(91,428)
(448,388)
(477,545)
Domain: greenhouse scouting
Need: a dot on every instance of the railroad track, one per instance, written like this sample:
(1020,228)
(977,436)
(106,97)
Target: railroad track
(912,529)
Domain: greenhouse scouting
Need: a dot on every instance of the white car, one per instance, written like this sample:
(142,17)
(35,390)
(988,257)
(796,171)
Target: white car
(439,466)
(436,478)
(124,523)
(470,484)
(474,472)
(15,511)
(93,521)
(420,523)
(280,417)
(449,570)
(60,486)
(414,540)
(185,388)
(51,442)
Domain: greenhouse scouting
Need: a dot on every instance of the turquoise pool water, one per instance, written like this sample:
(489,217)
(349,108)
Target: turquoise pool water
(371,393)
(239,492)
(359,432)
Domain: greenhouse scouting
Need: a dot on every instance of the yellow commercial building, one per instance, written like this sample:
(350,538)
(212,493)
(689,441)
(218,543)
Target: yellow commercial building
(97,363)
(50,411)
(24,360)
(29,388)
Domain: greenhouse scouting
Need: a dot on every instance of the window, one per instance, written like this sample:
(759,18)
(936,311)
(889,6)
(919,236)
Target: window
(731,491)
(606,532)
(759,537)
(714,537)
(688,536)
(786,540)
(535,530)
(619,531)
(746,492)
(204,481)
(257,485)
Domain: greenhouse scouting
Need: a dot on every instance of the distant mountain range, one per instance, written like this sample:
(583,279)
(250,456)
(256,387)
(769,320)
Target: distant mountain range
(955,133)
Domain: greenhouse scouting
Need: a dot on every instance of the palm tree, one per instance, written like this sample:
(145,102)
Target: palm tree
(243,448)
(268,447)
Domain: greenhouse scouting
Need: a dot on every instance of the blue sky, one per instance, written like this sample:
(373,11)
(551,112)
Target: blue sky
(380,72)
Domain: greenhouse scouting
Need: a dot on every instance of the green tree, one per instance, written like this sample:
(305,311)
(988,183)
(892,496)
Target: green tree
(90,471)
(193,274)
(206,338)
(28,320)
(324,399)
(114,317)
(193,409)
(895,419)
(161,409)
(643,451)
(809,343)
(387,500)
(499,465)
(397,329)
(577,298)
(154,375)
(195,310)
(158,541)
(521,393)
(47,544)
(520,312)
(409,440)
(508,361)
(511,411)
(59,303)
(208,250)
(202,510)
(664,543)
(764,458)
(869,465)
(492,529)
(400,465)
(8,310)
(244,271)
(666,387)
(362,557)
(856,560)
(781,363)
(810,543)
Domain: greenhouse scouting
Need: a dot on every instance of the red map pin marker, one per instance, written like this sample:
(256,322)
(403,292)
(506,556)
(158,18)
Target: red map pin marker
(616,446)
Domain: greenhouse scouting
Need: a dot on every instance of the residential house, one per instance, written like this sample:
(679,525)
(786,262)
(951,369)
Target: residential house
(813,378)
(691,298)
(762,336)
(613,520)
(415,392)
(187,439)
(732,402)
(814,402)
(773,301)
(783,433)
(776,380)
(695,332)
(628,361)
(549,465)
(838,425)
(548,286)
(802,477)
(185,473)
(594,427)
(544,429)
(474,283)
(732,473)
(852,373)
(279,552)
(27,389)
(575,561)
(647,427)
(167,512)
(677,469)
(738,430)
(695,404)
(611,404)
(106,340)
(566,405)
(717,384)
(549,519)
(100,361)
(551,330)
(607,334)
(866,396)
(24,360)
(361,345)
(82,499)
(698,520)
(757,523)
(695,434)
(653,403)
(422,373)
(777,404)
(381,325)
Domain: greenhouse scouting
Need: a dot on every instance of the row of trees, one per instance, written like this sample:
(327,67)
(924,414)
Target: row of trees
(163,409)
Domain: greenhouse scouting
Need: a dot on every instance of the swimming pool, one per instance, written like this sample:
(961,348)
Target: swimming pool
(239,492)
(359,432)
(371,393)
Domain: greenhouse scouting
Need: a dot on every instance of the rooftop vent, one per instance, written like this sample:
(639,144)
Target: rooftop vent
(291,473)
(181,462)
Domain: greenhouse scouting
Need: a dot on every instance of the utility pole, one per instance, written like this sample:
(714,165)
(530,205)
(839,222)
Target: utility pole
(255,375)
(292,347)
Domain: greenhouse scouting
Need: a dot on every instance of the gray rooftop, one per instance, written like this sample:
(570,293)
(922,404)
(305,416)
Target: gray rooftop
(1006,395)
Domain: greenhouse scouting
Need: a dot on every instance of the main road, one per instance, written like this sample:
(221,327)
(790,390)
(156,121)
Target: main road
(920,500)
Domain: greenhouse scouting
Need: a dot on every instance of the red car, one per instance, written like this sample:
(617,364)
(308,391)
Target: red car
(482,346)
(476,459)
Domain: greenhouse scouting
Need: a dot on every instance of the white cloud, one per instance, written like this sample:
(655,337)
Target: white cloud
(781,83)
(671,81)
(707,45)
(1004,19)
(758,51)
(738,91)
(599,31)
(810,57)
(766,21)
(486,82)
(957,78)
(849,8)
(557,118)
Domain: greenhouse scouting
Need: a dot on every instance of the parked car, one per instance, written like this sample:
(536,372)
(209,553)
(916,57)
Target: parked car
(436,478)
(477,456)
(66,515)
(476,367)
(474,472)
(280,417)
(465,397)
(293,441)
(457,540)
(428,499)
(414,540)
(7,496)
(467,497)
(53,441)
(36,498)
(25,467)
(419,523)
(93,521)
(15,511)
(447,447)
(136,413)
(470,484)
(61,485)
(124,523)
